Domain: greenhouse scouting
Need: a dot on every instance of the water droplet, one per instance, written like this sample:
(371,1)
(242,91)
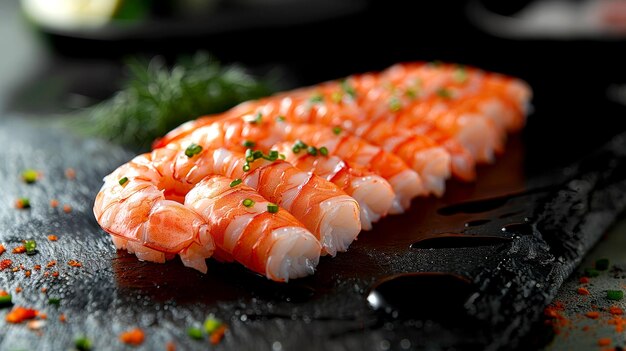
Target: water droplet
(405,344)
(384,345)
(277,346)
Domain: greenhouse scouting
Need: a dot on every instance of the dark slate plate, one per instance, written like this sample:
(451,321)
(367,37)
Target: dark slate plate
(445,275)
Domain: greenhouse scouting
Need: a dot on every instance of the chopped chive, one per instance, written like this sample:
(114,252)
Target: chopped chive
(324,151)
(280,118)
(272,208)
(295,149)
(257,154)
(444,93)
(5,300)
(249,155)
(311,150)
(348,89)
(31,247)
(193,150)
(591,272)
(258,118)
(282,156)
(273,155)
(615,295)
(316,98)
(123,180)
(602,264)
(30,176)
(82,343)
(337,130)
(337,97)
(460,74)
(211,324)
(248,143)
(394,104)
(246,167)
(411,93)
(248,202)
(301,144)
(54,301)
(235,182)
(195,333)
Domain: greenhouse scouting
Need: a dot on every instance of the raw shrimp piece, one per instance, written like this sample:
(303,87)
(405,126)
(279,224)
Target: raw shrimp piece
(373,193)
(275,245)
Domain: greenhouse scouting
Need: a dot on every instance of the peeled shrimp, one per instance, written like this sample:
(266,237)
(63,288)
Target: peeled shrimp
(273,244)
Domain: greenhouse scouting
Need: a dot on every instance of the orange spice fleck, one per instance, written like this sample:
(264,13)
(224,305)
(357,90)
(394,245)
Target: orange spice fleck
(19,314)
(15,269)
(70,173)
(74,263)
(582,291)
(586,328)
(46,273)
(593,315)
(614,310)
(3,292)
(22,267)
(20,249)
(619,323)
(18,289)
(170,346)
(133,337)
(55,274)
(27,273)
(584,280)
(604,342)
(217,335)
(21,204)
(62,318)
(44,290)
(2,249)
(37,267)
(42,315)
(51,264)
(52,237)
(54,203)
(4,264)
(67,208)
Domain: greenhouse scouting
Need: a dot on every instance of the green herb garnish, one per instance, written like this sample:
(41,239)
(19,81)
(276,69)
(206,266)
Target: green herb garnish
(123,180)
(30,176)
(248,202)
(348,89)
(235,182)
(615,295)
(258,118)
(195,333)
(280,118)
(248,143)
(155,99)
(31,247)
(82,343)
(336,97)
(444,93)
(411,93)
(282,156)
(602,264)
(272,208)
(316,98)
(211,324)
(311,150)
(5,300)
(323,151)
(460,74)
(591,272)
(193,150)
(337,130)
(394,104)
(272,156)
(54,301)
(246,167)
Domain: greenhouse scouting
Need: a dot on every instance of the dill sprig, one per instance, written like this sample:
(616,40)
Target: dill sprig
(156,99)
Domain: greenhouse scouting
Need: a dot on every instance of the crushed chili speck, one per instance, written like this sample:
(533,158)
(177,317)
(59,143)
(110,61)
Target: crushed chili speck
(55,274)
(4,264)
(27,273)
(44,290)
(2,249)
(604,342)
(51,264)
(46,273)
(170,346)
(54,203)
(615,310)
(20,249)
(133,337)
(218,334)
(583,280)
(74,263)
(52,237)
(593,314)
(37,267)
(20,314)
(619,323)
(70,173)
(18,289)
(62,318)
(42,315)
(582,291)
(67,208)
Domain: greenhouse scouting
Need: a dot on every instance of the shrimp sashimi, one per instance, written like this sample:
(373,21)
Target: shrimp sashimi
(324,209)
(266,131)
(131,206)
(373,193)
(248,229)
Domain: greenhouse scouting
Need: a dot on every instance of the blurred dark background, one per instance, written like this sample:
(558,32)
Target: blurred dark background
(571,64)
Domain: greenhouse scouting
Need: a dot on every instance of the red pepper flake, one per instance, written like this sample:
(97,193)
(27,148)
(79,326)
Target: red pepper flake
(586,328)
(51,264)
(582,291)
(67,208)
(18,289)
(2,249)
(3,292)
(4,264)
(619,323)
(54,203)
(70,173)
(217,335)
(593,314)
(170,346)
(74,263)
(46,273)
(44,290)
(27,273)
(19,249)
(55,274)
(133,337)
(37,267)
(604,342)
(52,237)
(583,280)
(42,315)
(62,318)
(614,310)
(20,314)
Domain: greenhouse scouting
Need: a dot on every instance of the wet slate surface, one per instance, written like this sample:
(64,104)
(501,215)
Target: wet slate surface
(551,221)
